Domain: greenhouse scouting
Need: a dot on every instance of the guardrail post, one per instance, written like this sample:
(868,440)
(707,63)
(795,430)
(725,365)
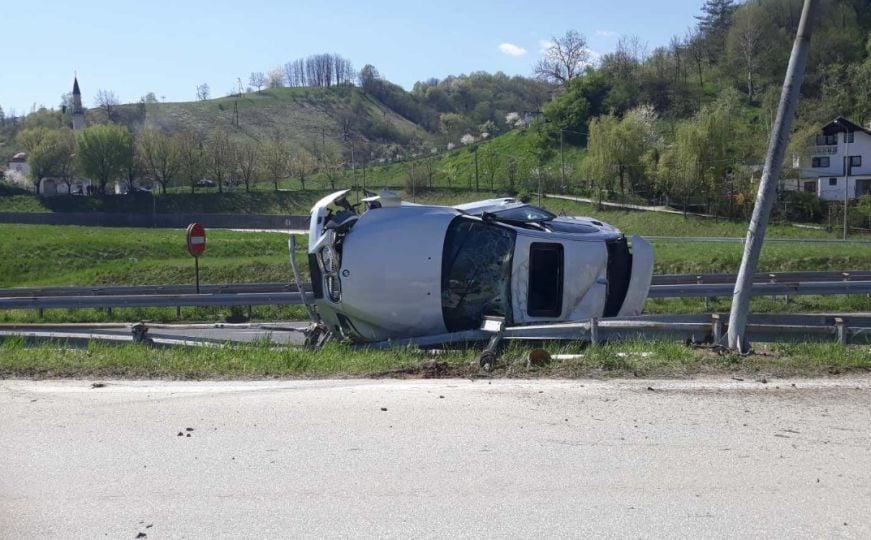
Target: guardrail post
(842,331)
(594,331)
(717,328)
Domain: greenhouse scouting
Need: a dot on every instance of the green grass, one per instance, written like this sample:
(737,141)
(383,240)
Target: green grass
(666,224)
(42,255)
(264,360)
(676,257)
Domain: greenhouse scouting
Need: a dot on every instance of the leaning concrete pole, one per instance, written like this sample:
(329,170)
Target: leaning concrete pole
(770,174)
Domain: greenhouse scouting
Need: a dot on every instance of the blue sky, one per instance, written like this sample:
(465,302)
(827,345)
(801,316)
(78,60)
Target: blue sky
(168,47)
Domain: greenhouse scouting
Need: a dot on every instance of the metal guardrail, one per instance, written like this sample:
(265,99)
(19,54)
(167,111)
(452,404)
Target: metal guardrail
(263,288)
(761,277)
(843,329)
(295,298)
(760,289)
(242,298)
(229,288)
(152,300)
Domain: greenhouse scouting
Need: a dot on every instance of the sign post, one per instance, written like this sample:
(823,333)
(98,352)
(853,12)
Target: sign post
(196,237)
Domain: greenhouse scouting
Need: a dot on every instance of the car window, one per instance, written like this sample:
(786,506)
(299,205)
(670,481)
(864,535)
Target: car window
(476,273)
(545,280)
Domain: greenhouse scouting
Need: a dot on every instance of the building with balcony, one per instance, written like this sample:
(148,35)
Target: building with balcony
(839,159)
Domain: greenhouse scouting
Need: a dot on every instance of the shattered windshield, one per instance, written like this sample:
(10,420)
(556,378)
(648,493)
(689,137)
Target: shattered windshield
(476,273)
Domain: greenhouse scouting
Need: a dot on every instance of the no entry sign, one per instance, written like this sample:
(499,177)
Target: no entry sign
(196,239)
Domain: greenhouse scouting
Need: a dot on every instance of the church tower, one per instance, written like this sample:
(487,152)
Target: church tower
(78,112)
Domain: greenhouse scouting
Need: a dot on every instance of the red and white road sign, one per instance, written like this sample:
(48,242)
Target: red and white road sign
(196,239)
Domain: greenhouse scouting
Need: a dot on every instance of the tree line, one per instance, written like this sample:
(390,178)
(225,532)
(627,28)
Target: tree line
(109,153)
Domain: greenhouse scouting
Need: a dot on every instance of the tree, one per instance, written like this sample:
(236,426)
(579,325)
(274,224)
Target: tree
(303,164)
(203,91)
(332,166)
(275,78)
(618,151)
(257,80)
(489,164)
(159,155)
(149,98)
(746,42)
(105,153)
(191,157)
(49,153)
(64,142)
(714,24)
(247,162)
(276,159)
(220,158)
(106,100)
(564,59)
(369,78)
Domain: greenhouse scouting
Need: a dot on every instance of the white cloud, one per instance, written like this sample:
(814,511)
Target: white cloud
(544,45)
(595,57)
(511,49)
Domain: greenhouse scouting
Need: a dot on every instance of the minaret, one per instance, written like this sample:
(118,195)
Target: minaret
(78,112)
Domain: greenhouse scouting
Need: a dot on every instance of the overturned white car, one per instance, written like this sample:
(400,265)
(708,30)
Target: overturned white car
(400,270)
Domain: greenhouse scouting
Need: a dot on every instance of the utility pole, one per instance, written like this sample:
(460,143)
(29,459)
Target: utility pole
(773,161)
(354,171)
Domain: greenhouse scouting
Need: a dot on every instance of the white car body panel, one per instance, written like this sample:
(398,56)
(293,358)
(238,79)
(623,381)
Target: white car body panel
(405,254)
(318,214)
(584,262)
(642,276)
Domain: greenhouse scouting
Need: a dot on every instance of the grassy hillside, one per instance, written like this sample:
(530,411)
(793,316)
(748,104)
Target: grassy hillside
(300,115)
(518,154)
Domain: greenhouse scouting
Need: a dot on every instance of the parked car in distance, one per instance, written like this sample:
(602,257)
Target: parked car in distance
(206,183)
(401,270)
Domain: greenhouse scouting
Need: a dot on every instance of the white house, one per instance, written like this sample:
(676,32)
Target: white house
(18,163)
(840,158)
(17,170)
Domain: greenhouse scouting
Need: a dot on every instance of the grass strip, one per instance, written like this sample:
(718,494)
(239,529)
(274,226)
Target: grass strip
(263,360)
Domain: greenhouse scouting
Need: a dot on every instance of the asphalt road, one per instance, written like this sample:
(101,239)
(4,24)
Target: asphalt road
(445,458)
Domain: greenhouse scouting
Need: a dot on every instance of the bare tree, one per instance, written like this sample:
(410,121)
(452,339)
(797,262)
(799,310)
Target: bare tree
(564,59)
(696,49)
(247,162)
(257,80)
(192,158)
(106,100)
(220,157)
(303,164)
(203,92)
(745,41)
(276,159)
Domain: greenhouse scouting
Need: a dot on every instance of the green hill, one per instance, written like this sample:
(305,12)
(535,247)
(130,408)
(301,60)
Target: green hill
(302,116)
